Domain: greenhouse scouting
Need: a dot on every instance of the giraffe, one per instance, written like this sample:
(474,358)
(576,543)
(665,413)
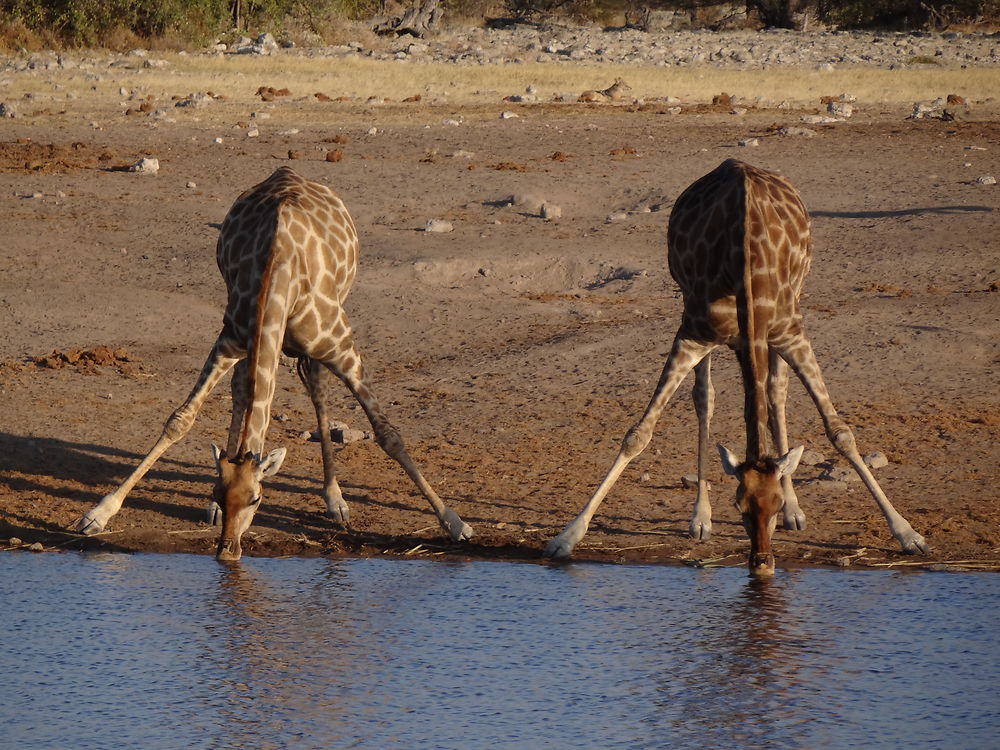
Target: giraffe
(288,252)
(739,248)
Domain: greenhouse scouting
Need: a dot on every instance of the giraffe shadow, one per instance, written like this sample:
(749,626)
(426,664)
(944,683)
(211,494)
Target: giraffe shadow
(900,212)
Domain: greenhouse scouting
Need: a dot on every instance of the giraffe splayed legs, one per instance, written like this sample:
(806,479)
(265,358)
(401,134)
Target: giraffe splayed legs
(739,248)
(288,252)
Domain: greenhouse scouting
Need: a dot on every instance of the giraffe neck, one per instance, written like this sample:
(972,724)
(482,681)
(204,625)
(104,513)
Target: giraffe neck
(263,354)
(754,305)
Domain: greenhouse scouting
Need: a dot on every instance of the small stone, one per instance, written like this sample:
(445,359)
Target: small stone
(438,225)
(191,184)
(615,217)
(36,547)
(840,109)
(644,477)
(689,481)
(748,143)
(811,457)
(551,211)
(253,133)
(14,542)
(801,132)
(841,474)
(876,460)
(844,562)
(508,115)
(986,179)
(145,165)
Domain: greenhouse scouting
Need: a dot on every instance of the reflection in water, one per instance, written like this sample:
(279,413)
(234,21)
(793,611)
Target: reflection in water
(179,651)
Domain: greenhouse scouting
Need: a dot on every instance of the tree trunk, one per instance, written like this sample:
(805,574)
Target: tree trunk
(423,17)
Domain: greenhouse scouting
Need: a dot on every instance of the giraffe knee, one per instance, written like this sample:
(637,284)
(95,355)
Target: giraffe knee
(389,439)
(635,441)
(177,425)
(843,440)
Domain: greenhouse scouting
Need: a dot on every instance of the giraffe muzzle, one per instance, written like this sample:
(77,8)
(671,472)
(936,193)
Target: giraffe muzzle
(229,550)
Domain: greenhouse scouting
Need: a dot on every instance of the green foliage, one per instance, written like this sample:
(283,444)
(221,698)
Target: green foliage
(96,22)
(87,22)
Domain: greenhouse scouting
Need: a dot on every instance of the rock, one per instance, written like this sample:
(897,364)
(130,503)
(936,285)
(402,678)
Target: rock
(7,110)
(145,165)
(841,474)
(438,225)
(986,179)
(14,542)
(801,132)
(812,457)
(507,115)
(876,460)
(840,109)
(527,202)
(36,547)
(690,482)
(748,143)
(550,211)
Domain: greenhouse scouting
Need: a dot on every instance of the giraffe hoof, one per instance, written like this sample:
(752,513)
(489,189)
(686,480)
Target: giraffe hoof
(89,525)
(213,514)
(457,529)
(339,513)
(700,530)
(914,544)
(558,549)
(795,521)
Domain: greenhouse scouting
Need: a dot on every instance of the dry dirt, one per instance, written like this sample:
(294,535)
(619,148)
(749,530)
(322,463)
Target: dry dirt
(512,352)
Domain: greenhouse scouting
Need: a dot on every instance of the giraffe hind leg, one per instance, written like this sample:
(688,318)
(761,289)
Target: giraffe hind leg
(703,395)
(315,378)
(800,356)
(777,392)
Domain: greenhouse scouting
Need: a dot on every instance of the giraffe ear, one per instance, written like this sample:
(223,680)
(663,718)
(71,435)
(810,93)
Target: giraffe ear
(218,454)
(270,464)
(788,463)
(730,464)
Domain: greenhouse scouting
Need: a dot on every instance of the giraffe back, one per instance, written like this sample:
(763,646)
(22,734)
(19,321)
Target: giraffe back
(739,248)
(286,221)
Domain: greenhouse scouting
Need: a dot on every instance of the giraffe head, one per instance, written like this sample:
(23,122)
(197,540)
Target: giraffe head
(759,498)
(238,493)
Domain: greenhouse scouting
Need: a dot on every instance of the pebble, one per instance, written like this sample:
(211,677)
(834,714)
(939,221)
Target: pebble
(550,211)
(986,179)
(749,142)
(438,225)
(876,460)
(145,165)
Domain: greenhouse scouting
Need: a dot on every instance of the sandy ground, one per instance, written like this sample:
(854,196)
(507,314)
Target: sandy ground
(512,352)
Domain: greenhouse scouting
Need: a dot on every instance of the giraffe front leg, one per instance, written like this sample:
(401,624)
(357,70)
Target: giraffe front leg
(314,376)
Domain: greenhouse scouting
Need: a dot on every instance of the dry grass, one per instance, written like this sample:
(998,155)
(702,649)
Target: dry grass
(396,80)
(238,77)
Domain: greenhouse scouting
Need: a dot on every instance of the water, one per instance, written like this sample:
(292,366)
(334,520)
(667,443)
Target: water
(146,651)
